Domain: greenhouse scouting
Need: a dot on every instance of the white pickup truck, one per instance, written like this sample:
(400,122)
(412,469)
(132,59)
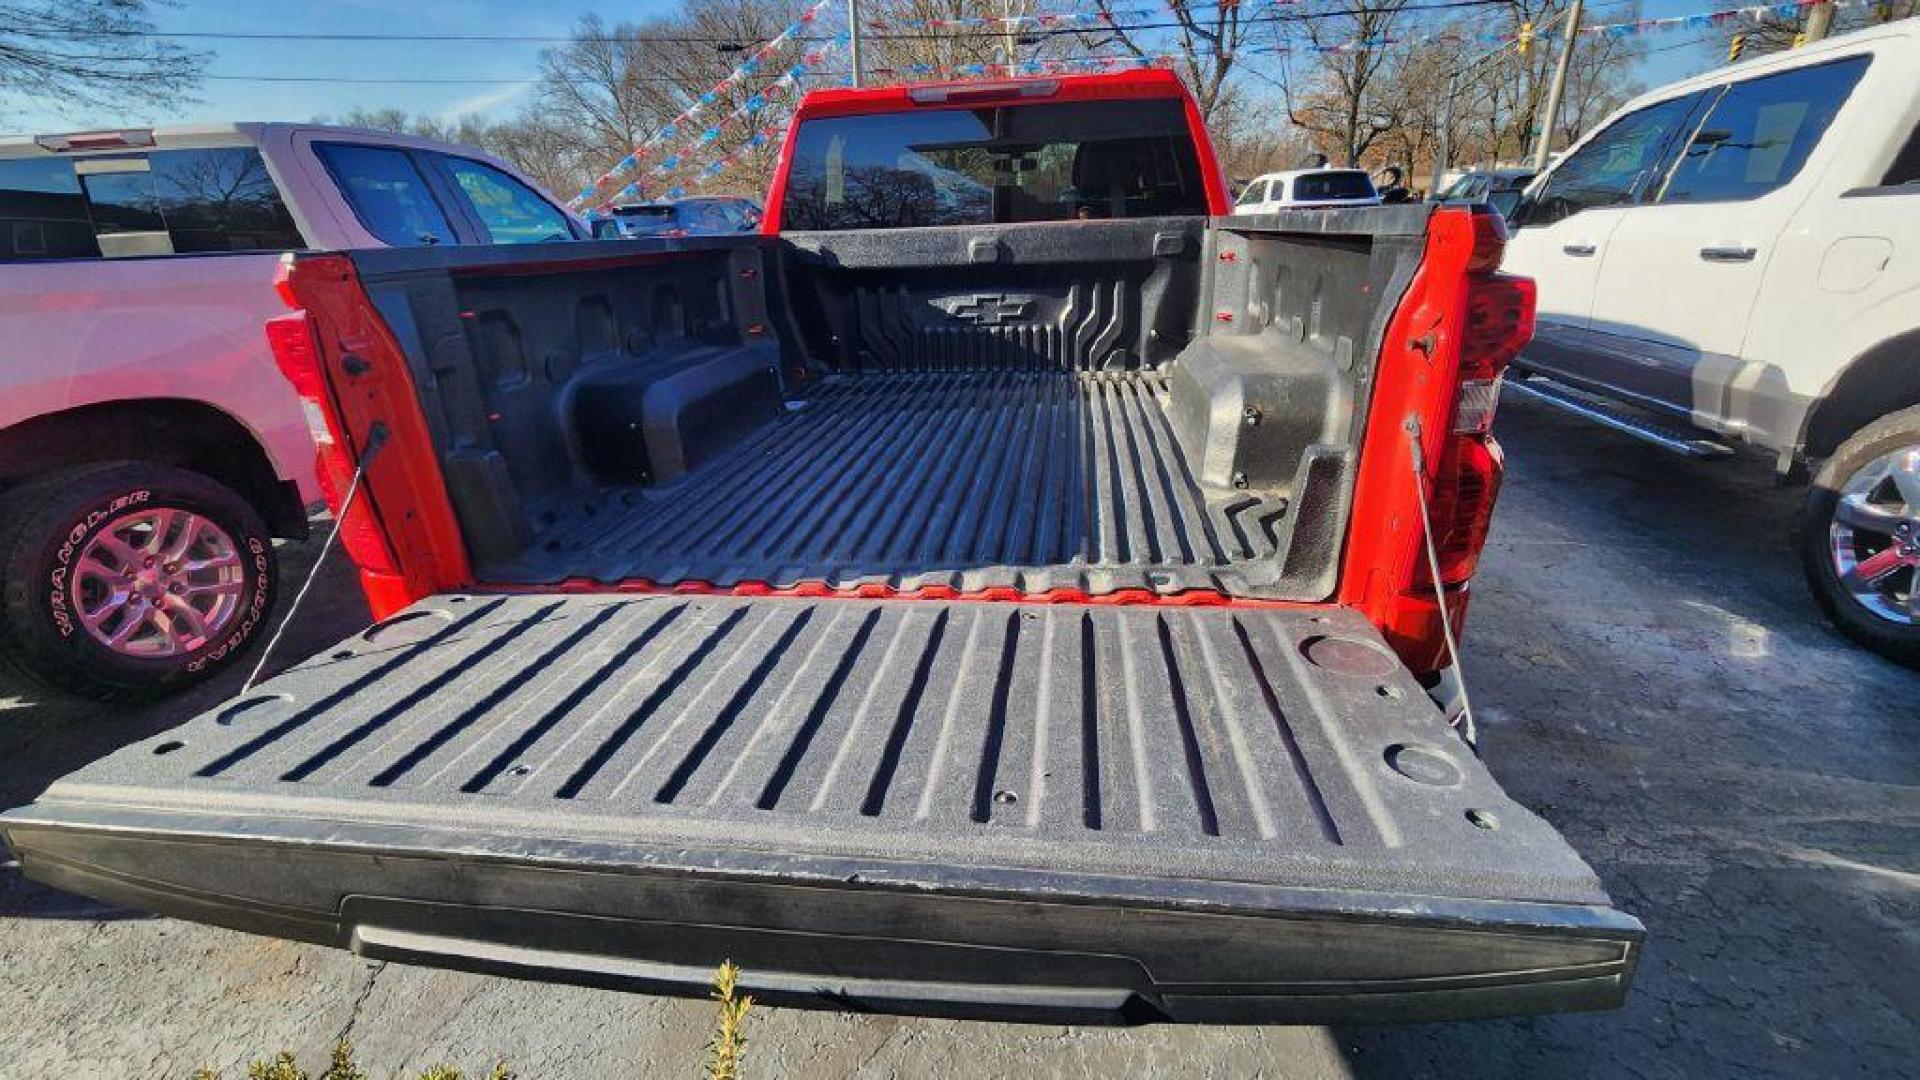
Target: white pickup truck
(136,271)
(1736,257)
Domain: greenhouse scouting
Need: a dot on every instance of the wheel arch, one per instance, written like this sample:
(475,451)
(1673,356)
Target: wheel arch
(1882,380)
(181,432)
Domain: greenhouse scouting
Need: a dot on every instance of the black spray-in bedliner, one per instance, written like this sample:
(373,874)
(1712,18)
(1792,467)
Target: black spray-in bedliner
(1034,480)
(1196,743)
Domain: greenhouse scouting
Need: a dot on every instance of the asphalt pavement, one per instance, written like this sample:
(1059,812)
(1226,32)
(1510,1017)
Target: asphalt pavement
(1650,677)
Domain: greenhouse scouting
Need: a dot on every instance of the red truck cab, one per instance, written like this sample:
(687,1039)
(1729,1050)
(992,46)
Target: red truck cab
(999,591)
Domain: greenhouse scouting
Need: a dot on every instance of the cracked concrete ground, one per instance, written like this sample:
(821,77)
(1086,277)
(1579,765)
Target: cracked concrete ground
(1650,677)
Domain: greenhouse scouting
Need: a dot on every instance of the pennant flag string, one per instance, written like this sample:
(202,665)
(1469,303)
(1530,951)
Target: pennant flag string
(675,127)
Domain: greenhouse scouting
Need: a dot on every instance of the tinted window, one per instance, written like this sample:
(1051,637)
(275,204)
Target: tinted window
(221,200)
(645,220)
(512,212)
(120,199)
(1256,193)
(387,193)
(183,201)
(1019,163)
(1906,167)
(1612,167)
(1333,185)
(43,214)
(1759,134)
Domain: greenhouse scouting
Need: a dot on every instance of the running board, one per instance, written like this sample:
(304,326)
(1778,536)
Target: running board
(1628,421)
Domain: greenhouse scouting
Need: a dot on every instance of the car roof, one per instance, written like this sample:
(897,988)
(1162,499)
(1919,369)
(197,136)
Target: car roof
(230,133)
(1291,174)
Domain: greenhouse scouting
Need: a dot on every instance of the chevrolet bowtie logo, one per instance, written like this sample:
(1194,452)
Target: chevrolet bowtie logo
(988,310)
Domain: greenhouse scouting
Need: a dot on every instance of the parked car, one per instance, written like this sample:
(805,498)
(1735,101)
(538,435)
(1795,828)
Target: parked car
(1011,618)
(1307,188)
(703,216)
(1736,258)
(149,449)
(1498,188)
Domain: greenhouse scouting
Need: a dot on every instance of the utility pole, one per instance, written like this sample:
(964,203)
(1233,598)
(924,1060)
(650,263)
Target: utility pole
(1443,145)
(853,41)
(1559,88)
(1819,21)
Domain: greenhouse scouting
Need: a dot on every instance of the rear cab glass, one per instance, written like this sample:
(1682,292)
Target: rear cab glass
(643,220)
(999,164)
(159,202)
(1314,187)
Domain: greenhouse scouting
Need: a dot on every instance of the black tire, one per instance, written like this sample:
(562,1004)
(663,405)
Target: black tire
(1896,641)
(46,523)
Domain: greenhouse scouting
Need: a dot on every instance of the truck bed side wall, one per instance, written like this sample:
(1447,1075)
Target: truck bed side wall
(556,378)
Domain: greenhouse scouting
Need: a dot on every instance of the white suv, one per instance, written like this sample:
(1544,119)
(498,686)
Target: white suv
(149,449)
(1737,257)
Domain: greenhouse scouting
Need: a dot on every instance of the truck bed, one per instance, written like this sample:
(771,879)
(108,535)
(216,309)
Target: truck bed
(1088,812)
(1033,480)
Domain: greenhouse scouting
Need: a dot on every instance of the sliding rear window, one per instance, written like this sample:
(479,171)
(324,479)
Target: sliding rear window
(1002,164)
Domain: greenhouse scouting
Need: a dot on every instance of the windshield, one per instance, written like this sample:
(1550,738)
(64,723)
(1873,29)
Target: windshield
(1001,164)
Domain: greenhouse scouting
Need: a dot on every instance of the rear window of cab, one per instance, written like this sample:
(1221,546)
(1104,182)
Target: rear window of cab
(994,165)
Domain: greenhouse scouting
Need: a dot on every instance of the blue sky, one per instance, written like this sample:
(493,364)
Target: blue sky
(224,98)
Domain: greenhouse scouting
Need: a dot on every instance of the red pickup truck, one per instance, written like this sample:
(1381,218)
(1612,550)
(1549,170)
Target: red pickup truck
(995,590)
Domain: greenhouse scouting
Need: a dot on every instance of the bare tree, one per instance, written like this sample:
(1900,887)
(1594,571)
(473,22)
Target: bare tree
(1774,32)
(1347,55)
(934,38)
(617,86)
(91,54)
(1205,41)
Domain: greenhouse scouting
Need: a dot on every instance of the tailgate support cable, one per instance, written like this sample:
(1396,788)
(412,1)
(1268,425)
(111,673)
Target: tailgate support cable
(376,438)
(1461,720)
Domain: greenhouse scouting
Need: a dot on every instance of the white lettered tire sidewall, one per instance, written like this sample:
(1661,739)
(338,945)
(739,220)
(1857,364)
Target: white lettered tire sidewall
(44,528)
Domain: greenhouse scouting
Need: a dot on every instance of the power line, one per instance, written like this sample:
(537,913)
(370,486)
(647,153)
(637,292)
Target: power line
(691,39)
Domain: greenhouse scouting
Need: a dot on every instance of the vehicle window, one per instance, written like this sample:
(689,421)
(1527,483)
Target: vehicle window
(1906,167)
(644,220)
(121,201)
(1022,163)
(1612,167)
(1759,134)
(512,212)
(1256,193)
(387,193)
(43,213)
(221,200)
(1332,185)
(169,201)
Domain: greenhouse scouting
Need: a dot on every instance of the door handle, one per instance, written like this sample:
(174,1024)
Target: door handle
(1579,251)
(1728,254)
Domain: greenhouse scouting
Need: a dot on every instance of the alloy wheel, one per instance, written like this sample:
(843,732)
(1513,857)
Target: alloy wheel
(158,582)
(1875,536)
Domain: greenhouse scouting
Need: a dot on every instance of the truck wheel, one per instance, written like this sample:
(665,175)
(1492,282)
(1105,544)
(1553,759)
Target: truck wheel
(129,581)
(1860,538)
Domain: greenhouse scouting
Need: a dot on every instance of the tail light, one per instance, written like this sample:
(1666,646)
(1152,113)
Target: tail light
(296,351)
(959,94)
(1497,325)
(1456,328)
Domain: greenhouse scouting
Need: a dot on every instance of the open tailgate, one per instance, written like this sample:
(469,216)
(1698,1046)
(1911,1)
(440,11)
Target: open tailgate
(1035,812)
